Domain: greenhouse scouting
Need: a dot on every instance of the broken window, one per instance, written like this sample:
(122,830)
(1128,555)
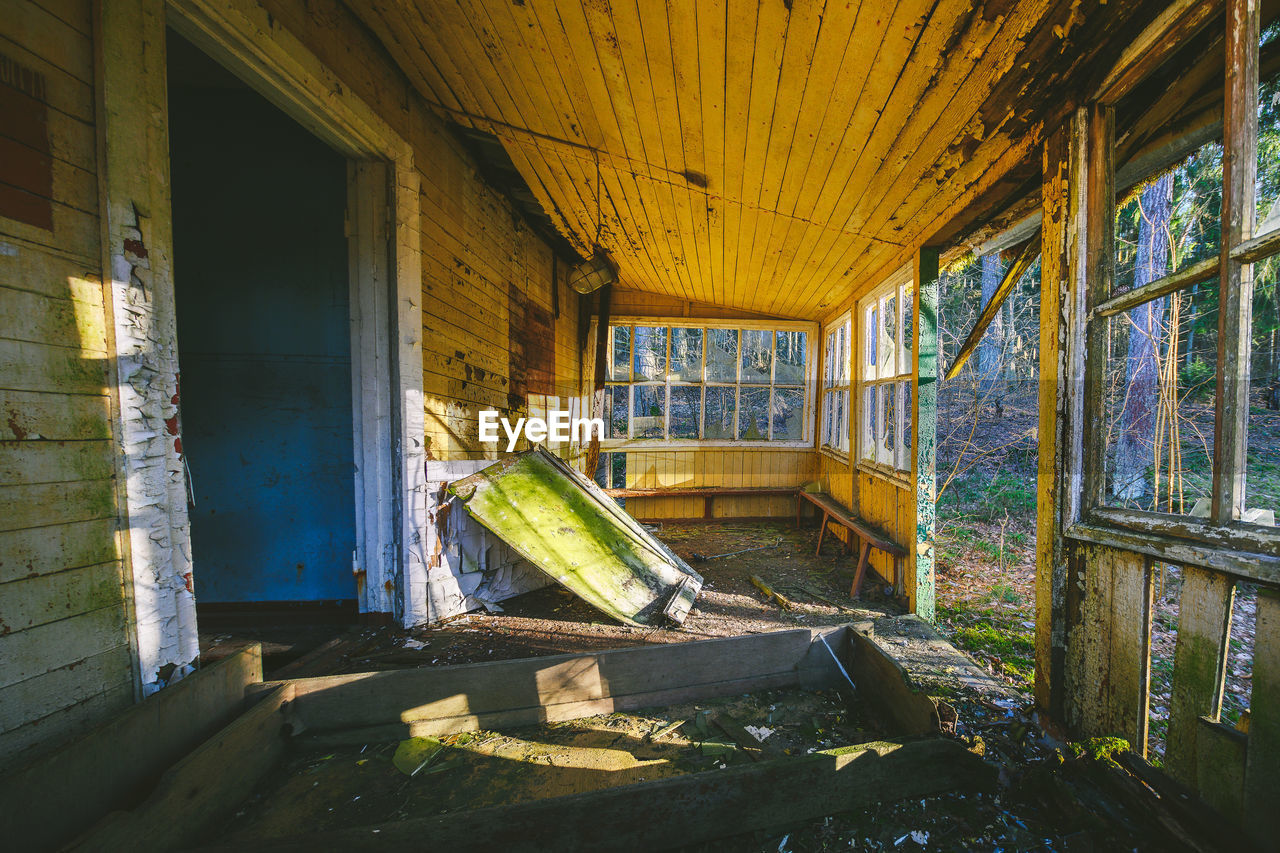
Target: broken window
(885,435)
(695,383)
(835,387)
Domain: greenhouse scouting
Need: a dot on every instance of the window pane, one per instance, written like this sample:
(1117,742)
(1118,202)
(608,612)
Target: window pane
(887,453)
(686,355)
(788,414)
(828,360)
(651,352)
(686,410)
(908,329)
(722,355)
(904,461)
(757,356)
(753,419)
(888,336)
(720,410)
(842,354)
(1171,222)
(828,413)
(842,420)
(1159,404)
(615,402)
(789,350)
(869,423)
(648,412)
(1262,465)
(870,338)
(621,371)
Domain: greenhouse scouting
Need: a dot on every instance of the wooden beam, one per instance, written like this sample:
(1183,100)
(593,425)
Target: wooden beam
(1257,248)
(1235,279)
(1058,259)
(1171,29)
(1027,254)
(441,700)
(1182,279)
(1174,549)
(1099,250)
(682,810)
(926,425)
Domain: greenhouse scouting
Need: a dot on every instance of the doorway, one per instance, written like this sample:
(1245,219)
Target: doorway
(264,345)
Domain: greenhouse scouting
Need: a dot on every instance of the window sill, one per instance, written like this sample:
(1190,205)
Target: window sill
(831,453)
(640,445)
(901,479)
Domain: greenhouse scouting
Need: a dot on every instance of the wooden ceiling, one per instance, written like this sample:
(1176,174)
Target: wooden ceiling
(764,155)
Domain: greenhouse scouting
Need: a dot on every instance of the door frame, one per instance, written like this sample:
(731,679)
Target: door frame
(386,321)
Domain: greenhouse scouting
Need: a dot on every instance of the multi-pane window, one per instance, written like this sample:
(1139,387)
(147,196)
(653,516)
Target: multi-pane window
(835,386)
(886,329)
(679,383)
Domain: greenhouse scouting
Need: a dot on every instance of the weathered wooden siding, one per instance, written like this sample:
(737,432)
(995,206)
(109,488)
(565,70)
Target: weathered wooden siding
(64,650)
(491,335)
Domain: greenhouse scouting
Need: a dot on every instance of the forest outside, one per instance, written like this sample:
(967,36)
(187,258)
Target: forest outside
(1159,399)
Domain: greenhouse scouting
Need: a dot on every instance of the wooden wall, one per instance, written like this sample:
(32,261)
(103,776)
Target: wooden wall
(747,468)
(491,335)
(65,660)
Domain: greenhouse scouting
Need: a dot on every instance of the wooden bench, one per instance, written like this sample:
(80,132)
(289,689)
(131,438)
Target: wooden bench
(868,536)
(707,493)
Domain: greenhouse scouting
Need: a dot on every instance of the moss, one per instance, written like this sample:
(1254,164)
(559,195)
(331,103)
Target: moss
(1099,748)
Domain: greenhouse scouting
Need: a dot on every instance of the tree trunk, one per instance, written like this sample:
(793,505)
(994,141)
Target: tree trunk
(991,350)
(1134,453)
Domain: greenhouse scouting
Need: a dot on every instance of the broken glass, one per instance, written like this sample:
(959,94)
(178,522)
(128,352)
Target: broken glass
(757,356)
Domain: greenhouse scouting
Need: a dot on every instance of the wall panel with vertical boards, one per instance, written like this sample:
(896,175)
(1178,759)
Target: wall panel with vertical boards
(65,661)
(728,468)
(492,337)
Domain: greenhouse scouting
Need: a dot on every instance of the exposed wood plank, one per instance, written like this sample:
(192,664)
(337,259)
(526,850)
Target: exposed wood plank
(54,797)
(1262,771)
(34,462)
(1204,618)
(29,602)
(37,697)
(1027,255)
(1220,767)
(203,787)
(1129,666)
(470,692)
(716,805)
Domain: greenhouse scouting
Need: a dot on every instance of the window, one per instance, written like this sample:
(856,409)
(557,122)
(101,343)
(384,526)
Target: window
(886,332)
(835,386)
(676,383)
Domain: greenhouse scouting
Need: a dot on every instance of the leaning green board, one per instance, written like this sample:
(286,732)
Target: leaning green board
(567,527)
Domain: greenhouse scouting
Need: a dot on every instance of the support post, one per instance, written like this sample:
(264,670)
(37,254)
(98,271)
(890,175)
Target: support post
(1061,304)
(926,421)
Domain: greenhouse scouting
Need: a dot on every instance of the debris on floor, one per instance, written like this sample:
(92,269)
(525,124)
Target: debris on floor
(567,527)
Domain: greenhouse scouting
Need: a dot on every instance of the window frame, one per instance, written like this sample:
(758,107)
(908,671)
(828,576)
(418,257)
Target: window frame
(831,385)
(1223,540)
(807,384)
(899,376)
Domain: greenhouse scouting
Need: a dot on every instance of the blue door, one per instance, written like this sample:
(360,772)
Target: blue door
(264,347)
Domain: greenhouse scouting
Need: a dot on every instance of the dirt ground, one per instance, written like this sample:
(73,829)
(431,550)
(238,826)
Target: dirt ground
(552,621)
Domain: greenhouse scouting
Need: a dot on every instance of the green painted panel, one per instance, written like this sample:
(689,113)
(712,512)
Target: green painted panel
(926,429)
(566,526)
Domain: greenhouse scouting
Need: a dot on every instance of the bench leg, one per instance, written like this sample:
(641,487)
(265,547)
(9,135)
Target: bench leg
(822,531)
(862,569)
